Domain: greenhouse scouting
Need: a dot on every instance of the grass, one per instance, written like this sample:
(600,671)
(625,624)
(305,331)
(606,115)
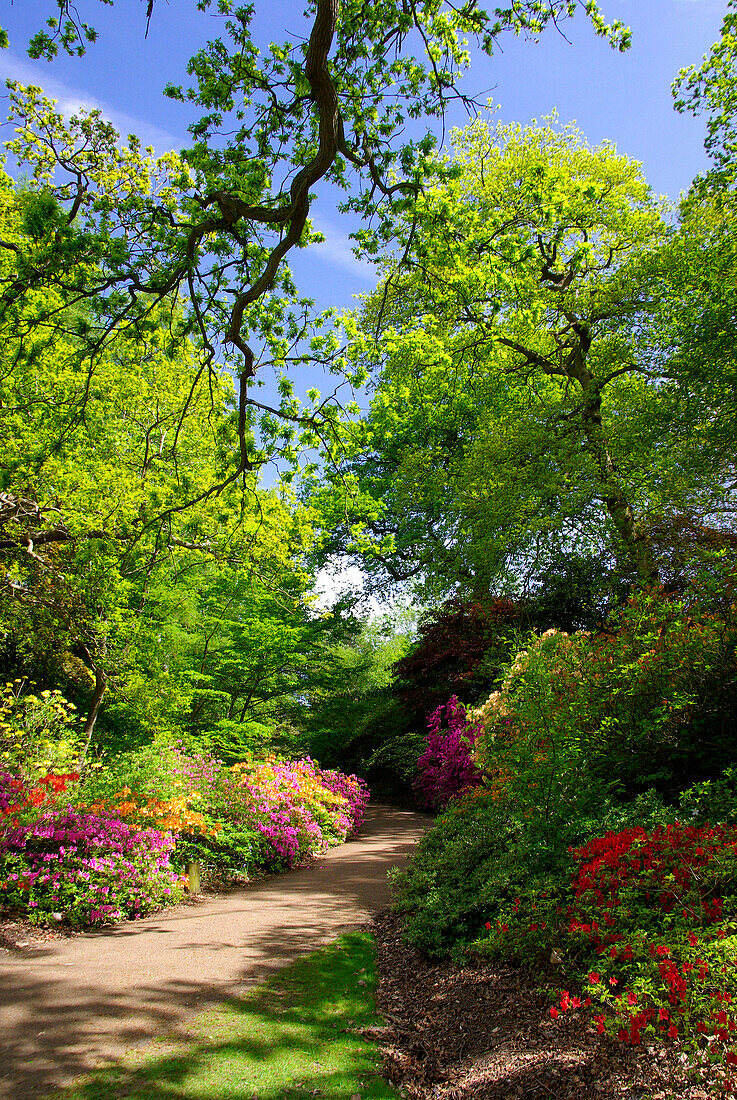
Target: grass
(296,1037)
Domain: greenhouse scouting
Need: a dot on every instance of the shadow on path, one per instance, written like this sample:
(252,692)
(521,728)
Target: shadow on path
(68,1005)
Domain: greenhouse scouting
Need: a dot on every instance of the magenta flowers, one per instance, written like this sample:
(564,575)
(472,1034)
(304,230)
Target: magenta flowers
(446,767)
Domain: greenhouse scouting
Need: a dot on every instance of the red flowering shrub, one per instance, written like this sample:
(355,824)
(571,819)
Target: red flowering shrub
(648,928)
(19,799)
(446,767)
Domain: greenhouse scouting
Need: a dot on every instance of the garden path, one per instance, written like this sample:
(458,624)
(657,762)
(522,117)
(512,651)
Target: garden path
(69,1003)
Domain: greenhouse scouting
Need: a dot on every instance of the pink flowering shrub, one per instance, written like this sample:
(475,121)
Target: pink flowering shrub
(354,790)
(299,809)
(446,767)
(85,868)
(262,814)
(96,864)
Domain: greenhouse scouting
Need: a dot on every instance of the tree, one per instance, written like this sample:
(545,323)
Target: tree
(101,546)
(711,89)
(459,650)
(522,401)
(213,225)
(702,319)
(350,714)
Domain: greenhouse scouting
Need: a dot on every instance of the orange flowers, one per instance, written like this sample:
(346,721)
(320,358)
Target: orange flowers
(169,815)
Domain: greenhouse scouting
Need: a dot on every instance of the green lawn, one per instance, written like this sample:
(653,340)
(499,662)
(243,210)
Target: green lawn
(295,1037)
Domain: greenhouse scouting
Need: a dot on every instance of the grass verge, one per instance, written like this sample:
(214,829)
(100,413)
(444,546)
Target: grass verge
(296,1037)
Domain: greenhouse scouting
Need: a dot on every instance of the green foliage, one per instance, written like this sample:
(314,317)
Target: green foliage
(711,89)
(350,716)
(153,770)
(710,800)
(520,408)
(137,581)
(236,853)
(211,226)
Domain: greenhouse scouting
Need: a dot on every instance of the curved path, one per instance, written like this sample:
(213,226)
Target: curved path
(71,1003)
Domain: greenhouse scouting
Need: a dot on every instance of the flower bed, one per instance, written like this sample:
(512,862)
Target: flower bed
(120,852)
(299,809)
(86,868)
(648,932)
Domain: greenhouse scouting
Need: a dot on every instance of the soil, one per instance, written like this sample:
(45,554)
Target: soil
(484,1032)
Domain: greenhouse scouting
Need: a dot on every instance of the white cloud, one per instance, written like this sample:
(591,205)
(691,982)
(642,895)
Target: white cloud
(72,100)
(337,249)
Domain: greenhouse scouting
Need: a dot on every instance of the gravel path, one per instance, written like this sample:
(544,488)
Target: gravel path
(67,1004)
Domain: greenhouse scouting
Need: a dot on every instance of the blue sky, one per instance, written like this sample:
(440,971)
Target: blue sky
(621,97)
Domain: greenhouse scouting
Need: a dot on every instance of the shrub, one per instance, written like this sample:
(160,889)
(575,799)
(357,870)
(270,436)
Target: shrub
(86,868)
(171,815)
(290,805)
(235,853)
(39,734)
(255,815)
(482,853)
(474,857)
(352,789)
(23,802)
(160,770)
(446,767)
(647,928)
(645,703)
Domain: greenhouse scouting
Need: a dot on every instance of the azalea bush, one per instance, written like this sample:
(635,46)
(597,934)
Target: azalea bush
(476,855)
(85,868)
(252,817)
(23,801)
(650,701)
(162,770)
(299,809)
(39,733)
(353,790)
(173,815)
(77,851)
(447,767)
(646,928)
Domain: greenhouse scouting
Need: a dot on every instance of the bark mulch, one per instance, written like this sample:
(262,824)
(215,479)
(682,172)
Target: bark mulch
(17,936)
(484,1032)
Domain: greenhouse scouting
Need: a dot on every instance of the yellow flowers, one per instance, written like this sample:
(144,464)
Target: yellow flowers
(38,734)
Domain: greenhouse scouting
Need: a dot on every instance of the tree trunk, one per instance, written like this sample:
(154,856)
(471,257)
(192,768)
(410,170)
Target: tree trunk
(617,504)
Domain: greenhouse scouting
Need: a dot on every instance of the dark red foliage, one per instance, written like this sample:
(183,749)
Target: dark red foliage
(447,658)
(687,551)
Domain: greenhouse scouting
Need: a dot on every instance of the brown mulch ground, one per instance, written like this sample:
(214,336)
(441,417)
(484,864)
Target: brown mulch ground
(483,1032)
(17,935)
